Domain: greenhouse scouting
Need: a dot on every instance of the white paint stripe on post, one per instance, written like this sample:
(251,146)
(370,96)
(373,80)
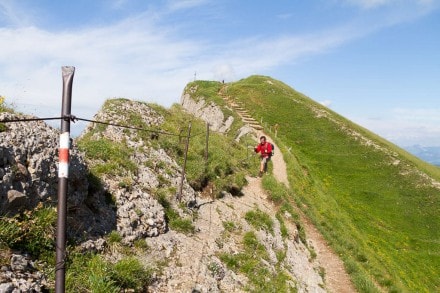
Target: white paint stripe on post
(63,168)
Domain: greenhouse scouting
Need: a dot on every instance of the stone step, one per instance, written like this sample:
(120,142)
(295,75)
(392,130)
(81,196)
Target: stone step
(257,126)
(250,120)
(243,113)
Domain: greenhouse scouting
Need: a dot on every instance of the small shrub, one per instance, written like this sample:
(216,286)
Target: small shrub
(259,220)
(229,226)
(130,274)
(141,244)
(249,262)
(283,229)
(31,231)
(114,237)
(281,255)
(175,221)
(182,225)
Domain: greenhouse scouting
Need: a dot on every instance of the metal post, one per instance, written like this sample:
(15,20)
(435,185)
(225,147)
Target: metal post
(206,146)
(63,174)
(179,196)
(180,135)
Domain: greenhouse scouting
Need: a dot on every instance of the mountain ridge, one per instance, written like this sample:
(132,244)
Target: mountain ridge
(357,177)
(376,205)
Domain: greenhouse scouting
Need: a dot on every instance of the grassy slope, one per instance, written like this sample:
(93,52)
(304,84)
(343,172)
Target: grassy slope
(383,219)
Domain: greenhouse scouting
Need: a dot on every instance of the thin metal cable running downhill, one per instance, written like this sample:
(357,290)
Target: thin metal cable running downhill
(197,134)
(128,127)
(29,119)
(74,119)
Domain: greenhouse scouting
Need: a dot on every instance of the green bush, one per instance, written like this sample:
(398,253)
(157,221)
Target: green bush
(92,273)
(260,220)
(250,262)
(175,221)
(30,231)
(129,273)
(89,273)
(113,157)
(114,237)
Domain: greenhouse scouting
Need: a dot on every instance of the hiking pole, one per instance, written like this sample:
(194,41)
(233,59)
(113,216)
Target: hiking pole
(63,175)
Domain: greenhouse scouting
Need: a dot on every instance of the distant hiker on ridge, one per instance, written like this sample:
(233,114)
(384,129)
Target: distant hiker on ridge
(265,150)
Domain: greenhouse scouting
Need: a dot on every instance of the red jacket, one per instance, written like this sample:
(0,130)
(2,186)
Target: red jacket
(265,149)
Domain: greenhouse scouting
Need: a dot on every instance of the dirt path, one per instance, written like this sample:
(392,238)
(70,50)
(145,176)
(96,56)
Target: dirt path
(337,280)
(279,166)
(193,263)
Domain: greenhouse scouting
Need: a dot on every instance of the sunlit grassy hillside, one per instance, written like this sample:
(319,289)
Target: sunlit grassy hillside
(377,205)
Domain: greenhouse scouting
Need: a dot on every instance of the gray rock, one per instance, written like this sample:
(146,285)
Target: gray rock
(6,288)
(94,246)
(16,200)
(243,131)
(208,112)
(19,263)
(28,157)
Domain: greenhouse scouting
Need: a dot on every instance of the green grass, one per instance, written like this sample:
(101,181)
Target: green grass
(113,158)
(383,219)
(227,162)
(230,226)
(259,220)
(250,262)
(5,107)
(30,231)
(175,221)
(92,273)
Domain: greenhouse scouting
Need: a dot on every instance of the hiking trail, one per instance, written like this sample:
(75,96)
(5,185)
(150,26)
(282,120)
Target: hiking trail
(337,279)
(194,263)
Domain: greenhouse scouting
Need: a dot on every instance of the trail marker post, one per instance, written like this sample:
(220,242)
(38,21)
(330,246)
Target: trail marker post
(63,175)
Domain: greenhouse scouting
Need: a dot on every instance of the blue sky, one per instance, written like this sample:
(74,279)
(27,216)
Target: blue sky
(376,62)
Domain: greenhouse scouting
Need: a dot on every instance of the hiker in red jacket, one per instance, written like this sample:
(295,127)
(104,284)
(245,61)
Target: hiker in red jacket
(265,150)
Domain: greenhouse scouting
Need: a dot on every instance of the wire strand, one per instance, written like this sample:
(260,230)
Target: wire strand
(129,127)
(30,119)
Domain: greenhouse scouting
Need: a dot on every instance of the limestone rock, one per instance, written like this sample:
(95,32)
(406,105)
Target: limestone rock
(16,200)
(28,160)
(208,112)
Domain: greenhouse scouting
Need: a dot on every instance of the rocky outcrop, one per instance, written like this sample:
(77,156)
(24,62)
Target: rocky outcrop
(194,263)
(139,214)
(29,176)
(21,276)
(208,112)
(28,167)
(131,201)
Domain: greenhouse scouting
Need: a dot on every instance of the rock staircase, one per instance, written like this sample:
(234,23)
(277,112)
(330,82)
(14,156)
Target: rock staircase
(240,110)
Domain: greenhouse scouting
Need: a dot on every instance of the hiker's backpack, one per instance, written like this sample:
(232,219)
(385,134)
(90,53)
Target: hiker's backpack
(273,150)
